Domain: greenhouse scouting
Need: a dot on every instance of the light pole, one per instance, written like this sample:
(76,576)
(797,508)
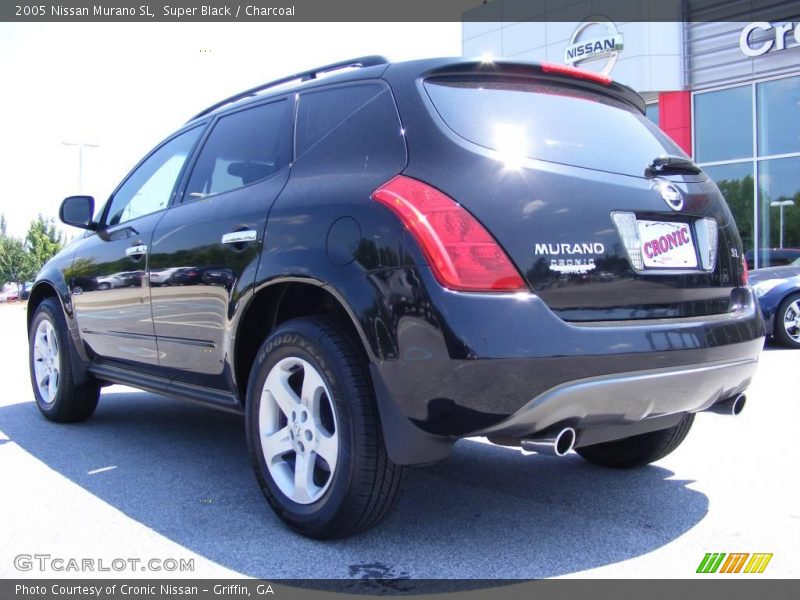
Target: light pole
(80,146)
(781,204)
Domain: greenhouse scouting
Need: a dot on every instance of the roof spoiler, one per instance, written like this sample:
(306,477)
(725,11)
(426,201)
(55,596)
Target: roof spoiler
(502,67)
(360,62)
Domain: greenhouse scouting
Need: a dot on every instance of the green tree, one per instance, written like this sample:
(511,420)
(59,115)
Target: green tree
(739,195)
(43,240)
(3,225)
(16,263)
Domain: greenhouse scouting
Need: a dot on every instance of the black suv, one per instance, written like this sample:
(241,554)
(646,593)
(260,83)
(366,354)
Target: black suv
(371,261)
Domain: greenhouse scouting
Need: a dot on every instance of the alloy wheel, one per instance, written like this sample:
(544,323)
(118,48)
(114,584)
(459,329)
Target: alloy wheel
(791,320)
(46,362)
(298,430)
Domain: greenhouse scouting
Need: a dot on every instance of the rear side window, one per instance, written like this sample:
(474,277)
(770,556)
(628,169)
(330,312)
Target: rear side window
(559,124)
(243,148)
(321,112)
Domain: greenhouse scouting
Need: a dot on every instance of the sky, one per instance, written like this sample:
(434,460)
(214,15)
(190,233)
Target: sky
(126,86)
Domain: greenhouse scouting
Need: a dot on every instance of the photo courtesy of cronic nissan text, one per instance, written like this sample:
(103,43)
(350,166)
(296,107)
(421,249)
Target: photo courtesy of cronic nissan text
(308,299)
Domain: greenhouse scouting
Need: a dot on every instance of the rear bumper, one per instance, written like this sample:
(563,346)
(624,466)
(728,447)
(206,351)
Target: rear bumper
(626,399)
(506,365)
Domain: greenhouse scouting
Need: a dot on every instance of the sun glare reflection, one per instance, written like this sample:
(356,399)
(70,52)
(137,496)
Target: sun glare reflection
(511,144)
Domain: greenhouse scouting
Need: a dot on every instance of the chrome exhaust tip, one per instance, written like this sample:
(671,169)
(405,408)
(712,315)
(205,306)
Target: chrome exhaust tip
(732,406)
(557,444)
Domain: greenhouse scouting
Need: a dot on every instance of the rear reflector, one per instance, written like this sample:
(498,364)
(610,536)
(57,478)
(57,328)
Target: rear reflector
(576,73)
(462,254)
(626,227)
(707,236)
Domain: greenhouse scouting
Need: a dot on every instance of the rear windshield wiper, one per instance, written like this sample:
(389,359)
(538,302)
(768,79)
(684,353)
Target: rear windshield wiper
(669,164)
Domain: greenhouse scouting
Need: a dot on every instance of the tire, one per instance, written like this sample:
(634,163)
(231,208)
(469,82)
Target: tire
(788,333)
(638,450)
(57,395)
(336,420)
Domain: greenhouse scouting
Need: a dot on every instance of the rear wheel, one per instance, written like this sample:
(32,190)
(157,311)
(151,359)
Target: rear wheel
(57,395)
(787,322)
(313,432)
(638,450)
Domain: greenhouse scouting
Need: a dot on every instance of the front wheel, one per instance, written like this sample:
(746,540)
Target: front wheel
(787,322)
(313,432)
(638,450)
(57,395)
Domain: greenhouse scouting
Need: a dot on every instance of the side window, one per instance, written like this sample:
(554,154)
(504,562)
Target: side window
(149,188)
(243,148)
(321,112)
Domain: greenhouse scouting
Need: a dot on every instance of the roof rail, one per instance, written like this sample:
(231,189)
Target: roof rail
(362,62)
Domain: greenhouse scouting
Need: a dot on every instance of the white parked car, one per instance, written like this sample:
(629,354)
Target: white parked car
(10,292)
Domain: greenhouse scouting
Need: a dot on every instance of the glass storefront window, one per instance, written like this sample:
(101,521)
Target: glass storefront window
(736,183)
(779,209)
(652,112)
(724,124)
(778,105)
(723,134)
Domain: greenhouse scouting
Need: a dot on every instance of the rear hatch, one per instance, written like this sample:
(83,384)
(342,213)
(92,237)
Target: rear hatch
(565,173)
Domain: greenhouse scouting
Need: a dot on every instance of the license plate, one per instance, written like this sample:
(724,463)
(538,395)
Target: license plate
(667,245)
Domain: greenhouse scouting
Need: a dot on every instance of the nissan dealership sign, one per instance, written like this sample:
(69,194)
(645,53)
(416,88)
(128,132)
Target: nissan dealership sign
(777,37)
(594,40)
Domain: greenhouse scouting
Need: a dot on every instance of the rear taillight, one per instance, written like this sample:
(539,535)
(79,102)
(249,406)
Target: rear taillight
(462,254)
(576,73)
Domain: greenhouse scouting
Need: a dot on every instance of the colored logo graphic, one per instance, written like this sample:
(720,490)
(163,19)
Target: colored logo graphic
(734,563)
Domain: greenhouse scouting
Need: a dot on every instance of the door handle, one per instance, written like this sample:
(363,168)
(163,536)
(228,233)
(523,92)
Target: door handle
(240,237)
(136,250)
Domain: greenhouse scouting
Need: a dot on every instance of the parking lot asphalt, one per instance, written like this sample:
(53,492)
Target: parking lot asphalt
(155,478)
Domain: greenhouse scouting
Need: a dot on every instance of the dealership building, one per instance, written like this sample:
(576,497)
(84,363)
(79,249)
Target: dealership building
(727,92)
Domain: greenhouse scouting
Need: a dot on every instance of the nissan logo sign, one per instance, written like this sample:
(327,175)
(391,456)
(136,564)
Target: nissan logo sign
(594,40)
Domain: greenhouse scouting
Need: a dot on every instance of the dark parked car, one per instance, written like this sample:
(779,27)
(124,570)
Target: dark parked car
(25,292)
(185,276)
(218,276)
(772,257)
(410,250)
(778,292)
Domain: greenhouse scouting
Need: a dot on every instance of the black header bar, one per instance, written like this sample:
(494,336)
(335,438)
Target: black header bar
(66,11)
(731,588)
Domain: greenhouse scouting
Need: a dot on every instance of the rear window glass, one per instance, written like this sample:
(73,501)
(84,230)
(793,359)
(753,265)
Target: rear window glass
(548,122)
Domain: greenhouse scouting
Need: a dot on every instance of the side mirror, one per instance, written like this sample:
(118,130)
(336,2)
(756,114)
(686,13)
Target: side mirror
(78,211)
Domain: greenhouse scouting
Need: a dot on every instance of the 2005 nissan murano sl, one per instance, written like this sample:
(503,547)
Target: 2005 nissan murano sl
(371,261)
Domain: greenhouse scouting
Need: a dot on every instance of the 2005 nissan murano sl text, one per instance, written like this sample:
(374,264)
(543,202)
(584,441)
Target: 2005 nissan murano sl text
(371,261)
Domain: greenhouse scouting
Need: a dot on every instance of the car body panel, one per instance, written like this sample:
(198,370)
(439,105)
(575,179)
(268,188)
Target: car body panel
(114,322)
(309,239)
(461,367)
(192,316)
